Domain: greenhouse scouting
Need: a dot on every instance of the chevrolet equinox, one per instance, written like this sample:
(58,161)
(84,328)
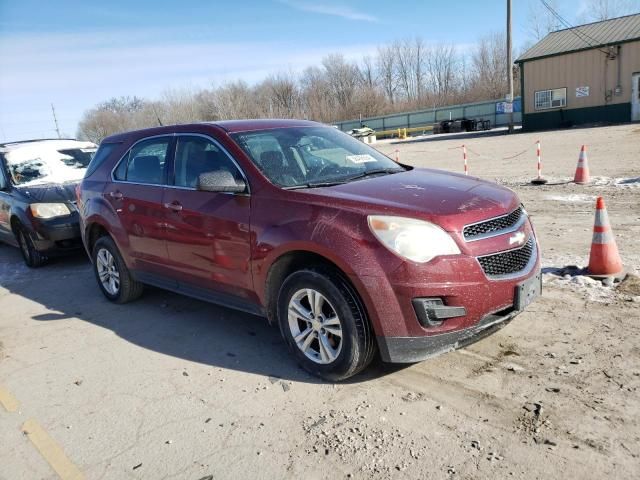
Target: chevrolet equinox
(348,251)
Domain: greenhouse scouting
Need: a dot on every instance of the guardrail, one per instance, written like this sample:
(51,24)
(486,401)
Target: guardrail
(423,119)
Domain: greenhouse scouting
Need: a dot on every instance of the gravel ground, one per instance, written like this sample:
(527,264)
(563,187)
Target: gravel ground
(169,387)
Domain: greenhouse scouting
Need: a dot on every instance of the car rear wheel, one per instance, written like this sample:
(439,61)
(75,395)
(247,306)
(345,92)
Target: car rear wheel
(32,257)
(114,278)
(324,324)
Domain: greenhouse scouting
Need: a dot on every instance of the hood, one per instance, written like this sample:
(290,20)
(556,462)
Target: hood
(51,193)
(444,198)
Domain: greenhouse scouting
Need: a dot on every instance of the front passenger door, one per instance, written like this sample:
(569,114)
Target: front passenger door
(208,236)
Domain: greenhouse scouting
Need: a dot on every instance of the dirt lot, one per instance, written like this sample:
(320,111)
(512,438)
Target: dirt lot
(169,387)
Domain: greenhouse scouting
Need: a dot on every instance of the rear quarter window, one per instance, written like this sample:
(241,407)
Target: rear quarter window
(100,156)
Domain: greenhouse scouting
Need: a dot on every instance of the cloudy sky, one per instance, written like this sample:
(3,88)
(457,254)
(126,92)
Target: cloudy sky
(75,54)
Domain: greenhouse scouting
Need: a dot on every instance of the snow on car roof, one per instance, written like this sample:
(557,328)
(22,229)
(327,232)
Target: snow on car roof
(55,144)
(40,162)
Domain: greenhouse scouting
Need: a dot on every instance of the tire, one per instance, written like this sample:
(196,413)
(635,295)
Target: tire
(32,257)
(113,276)
(328,355)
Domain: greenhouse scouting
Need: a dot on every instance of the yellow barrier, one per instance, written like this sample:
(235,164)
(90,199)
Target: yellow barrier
(402,132)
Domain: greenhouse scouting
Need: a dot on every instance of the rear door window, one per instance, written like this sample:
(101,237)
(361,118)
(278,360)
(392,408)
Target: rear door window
(145,162)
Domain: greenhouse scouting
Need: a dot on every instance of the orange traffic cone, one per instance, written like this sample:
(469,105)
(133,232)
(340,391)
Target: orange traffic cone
(582,170)
(604,259)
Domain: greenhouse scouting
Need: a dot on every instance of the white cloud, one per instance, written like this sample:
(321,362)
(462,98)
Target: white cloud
(342,11)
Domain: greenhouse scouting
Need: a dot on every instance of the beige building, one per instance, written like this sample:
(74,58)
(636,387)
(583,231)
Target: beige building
(585,74)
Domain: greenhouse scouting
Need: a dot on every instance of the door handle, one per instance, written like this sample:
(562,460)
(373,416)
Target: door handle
(117,195)
(175,206)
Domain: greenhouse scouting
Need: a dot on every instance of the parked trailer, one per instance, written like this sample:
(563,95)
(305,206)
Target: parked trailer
(461,125)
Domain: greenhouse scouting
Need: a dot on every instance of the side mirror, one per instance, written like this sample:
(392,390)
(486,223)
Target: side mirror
(220,181)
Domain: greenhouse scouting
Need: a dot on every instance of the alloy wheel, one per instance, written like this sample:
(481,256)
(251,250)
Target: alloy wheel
(108,271)
(315,326)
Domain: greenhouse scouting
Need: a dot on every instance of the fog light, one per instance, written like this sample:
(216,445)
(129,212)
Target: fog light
(431,312)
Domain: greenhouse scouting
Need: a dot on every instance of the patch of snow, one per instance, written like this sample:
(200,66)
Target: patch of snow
(627,182)
(575,278)
(42,162)
(573,198)
(600,181)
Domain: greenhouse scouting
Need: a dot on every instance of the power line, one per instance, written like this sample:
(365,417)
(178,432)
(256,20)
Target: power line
(564,22)
(55,120)
(583,36)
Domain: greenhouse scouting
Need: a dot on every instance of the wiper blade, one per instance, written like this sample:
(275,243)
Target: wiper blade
(342,181)
(377,171)
(317,184)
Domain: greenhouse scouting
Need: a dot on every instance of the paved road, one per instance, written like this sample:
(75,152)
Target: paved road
(169,387)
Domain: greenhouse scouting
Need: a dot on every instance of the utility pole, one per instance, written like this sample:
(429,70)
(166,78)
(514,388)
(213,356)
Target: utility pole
(55,120)
(510,66)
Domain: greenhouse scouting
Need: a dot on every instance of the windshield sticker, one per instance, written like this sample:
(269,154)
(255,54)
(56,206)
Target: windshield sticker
(361,158)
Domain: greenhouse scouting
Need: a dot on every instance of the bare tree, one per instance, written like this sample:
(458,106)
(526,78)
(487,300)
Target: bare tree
(442,68)
(367,72)
(405,75)
(386,63)
(490,67)
(342,78)
(179,106)
(317,102)
(597,10)
(282,95)
(541,20)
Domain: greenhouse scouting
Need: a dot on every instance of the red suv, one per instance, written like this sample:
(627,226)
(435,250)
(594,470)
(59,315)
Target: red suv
(347,250)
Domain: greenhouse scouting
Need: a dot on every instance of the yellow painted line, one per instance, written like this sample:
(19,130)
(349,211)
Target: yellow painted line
(8,401)
(51,451)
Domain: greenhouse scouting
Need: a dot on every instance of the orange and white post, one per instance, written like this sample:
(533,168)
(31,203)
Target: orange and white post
(397,155)
(464,156)
(539,180)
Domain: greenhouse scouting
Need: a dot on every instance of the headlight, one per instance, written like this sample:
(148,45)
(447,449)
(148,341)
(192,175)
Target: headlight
(49,210)
(415,240)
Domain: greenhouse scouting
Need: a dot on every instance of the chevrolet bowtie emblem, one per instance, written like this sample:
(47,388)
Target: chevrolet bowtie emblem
(517,238)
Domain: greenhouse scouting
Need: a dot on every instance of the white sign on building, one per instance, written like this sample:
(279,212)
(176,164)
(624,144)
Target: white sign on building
(582,92)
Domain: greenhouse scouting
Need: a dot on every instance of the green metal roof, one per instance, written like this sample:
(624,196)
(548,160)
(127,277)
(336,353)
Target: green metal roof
(584,37)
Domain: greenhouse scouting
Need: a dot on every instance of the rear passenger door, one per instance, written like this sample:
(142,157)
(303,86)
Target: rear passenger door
(136,195)
(208,234)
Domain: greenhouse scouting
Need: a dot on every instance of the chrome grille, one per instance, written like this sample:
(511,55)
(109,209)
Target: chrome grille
(491,226)
(509,262)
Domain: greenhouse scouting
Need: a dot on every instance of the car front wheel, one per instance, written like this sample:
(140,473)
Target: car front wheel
(324,324)
(32,257)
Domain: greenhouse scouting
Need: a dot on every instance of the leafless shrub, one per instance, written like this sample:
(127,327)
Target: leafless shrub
(405,75)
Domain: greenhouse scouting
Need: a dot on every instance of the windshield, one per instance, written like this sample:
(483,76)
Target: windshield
(312,156)
(49,162)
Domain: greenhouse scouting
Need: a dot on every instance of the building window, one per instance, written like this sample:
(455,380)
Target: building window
(555,98)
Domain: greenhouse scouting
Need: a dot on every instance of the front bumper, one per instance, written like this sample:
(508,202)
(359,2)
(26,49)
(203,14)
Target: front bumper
(416,349)
(57,235)
(469,304)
